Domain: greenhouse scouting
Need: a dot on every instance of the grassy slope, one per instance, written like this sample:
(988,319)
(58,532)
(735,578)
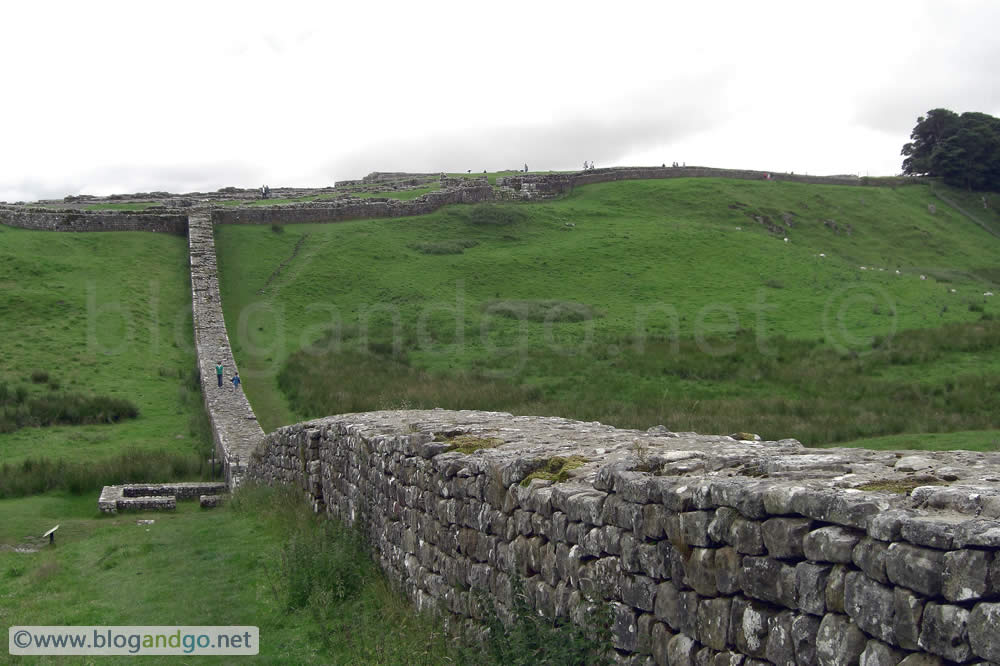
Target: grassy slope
(193,567)
(683,244)
(102,313)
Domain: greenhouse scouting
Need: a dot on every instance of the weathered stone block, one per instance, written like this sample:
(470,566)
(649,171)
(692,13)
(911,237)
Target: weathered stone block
(919,569)
(694,528)
(780,648)
(728,659)
(748,626)
(701,571)
(728,565)
(677,608)
(746,537)
(624,628)
(644,636)
(811,585)
(830,544)
(869,556)
(768,580)
(713,622)
(878,653)
(944,631)
(835,589)
(908,609)
(804,631)
(839,642)
(984,631)
(783,537)
(967,575)
(660,639)
(718,529)
(870,605)
(639,592)
(681,651)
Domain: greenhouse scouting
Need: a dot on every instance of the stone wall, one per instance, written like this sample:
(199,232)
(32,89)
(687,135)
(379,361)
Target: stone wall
(710,550)
(75,220)
(234,424)
(547,185)
(352,209)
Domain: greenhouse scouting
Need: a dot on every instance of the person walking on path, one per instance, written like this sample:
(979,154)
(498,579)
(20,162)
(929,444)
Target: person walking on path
(236,380)
(218,373)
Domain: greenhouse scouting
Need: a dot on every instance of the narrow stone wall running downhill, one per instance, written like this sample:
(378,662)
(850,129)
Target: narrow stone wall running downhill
(710,550)
(234,425)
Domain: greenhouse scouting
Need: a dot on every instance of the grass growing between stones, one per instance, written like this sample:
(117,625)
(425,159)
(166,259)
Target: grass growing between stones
(91,321)
(680,326)
(264,560)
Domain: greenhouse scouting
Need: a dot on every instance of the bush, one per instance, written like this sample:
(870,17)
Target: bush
(444,247)
(495,215)
(39,377)
(277,228)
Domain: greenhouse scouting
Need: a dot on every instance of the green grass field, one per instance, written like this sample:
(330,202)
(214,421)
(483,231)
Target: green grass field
(764,325)
(103,314)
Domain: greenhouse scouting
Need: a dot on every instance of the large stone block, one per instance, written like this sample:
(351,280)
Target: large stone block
(748,625)
(804,631)
(944,631)
(713,622)
(728,566)
(677,608)
(839,642)
(701,572)
(967,575)
(830,544)
(908,609)
(769,580)
(694,528)
(661,635)
(746,537)
(919,569)
(681,651)
(811,584)
(878,653)
(984,631)
(869,556)
(780,649)
(870,605)
(783,537)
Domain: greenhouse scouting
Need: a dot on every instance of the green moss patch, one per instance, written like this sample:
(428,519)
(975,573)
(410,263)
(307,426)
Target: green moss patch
(555,469)
(901,487)
(471,443)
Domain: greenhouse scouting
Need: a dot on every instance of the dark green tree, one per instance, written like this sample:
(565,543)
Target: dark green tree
(929,131)
(963,150)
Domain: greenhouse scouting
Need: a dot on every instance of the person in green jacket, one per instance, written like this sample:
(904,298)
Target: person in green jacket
(218,373)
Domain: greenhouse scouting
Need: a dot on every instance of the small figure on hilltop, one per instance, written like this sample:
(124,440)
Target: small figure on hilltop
(265,192)
(236,380)
(218,372)
(525,167)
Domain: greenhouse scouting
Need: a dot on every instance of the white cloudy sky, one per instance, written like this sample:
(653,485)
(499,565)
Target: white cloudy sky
(102,97)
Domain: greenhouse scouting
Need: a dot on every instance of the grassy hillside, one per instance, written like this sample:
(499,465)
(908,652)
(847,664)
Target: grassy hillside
(572,307)
(260,560)
(98,314)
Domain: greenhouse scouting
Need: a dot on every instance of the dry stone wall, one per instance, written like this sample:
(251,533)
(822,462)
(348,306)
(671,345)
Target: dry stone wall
(710,550)
(234,424)
(75,220)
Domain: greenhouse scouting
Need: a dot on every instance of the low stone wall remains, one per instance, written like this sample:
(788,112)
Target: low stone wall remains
(154,497)
(710,550)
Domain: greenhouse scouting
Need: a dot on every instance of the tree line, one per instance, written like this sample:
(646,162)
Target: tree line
(963,150)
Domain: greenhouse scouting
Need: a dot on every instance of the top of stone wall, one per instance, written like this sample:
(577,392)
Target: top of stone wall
(955,496)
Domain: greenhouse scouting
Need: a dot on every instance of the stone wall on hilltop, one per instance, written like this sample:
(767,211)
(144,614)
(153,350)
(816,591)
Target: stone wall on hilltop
(709,550)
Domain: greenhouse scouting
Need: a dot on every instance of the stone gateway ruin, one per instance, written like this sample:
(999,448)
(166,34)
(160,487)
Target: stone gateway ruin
(709,550)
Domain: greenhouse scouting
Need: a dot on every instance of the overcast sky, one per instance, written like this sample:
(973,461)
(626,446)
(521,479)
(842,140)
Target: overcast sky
(104,97)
